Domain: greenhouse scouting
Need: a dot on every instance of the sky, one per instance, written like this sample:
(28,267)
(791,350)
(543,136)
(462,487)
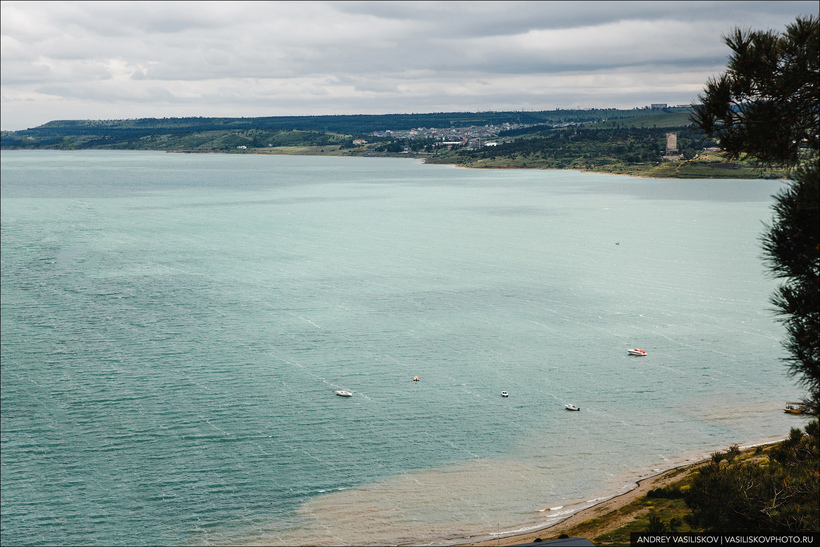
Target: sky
(115,60)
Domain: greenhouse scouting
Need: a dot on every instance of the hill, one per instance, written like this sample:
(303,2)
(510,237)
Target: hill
(607,140)
(226,133)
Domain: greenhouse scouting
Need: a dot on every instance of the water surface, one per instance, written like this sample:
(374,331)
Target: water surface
(173,328)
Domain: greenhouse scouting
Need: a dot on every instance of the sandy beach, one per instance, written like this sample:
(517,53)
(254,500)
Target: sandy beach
(643,486)
(612,504)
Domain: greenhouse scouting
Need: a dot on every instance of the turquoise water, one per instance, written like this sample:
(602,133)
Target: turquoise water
(173,328)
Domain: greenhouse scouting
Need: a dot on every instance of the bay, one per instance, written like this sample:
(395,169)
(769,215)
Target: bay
(174,326)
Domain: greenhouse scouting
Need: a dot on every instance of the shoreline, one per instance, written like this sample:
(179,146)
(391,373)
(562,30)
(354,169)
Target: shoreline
(423,159)
(654,478)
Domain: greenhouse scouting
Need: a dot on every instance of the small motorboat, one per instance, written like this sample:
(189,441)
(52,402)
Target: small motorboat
(572,407)
(636,351)
(342,392)
(505,394)
(795,408)
(416,379)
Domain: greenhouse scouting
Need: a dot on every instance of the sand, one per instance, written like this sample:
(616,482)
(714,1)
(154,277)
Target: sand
(644,485)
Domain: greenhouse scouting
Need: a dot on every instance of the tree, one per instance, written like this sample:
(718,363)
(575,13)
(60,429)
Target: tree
(791,247)
(767,104)
(656,526)
(780,497)
(766,107)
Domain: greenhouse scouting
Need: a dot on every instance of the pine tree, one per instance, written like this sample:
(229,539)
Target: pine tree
(766,107)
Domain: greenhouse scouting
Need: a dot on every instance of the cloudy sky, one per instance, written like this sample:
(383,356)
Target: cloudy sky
(92,60)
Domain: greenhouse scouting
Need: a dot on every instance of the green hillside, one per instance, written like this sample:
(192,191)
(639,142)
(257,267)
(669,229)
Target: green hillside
(223,133)
(606,140)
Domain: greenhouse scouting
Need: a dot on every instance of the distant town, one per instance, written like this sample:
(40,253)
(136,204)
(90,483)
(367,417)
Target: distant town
(657,140)
(477,136)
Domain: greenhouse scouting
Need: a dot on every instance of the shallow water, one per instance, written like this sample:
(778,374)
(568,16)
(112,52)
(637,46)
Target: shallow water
(173,328)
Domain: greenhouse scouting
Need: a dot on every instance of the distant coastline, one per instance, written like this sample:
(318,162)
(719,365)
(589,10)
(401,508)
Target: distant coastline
(708,165)
(632,142)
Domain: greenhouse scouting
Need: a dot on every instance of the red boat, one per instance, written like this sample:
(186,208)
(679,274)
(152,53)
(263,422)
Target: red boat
(636,351)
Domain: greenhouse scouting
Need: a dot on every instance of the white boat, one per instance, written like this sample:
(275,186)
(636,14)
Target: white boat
(572,407)
(505,394)
(636,351)
(342,392)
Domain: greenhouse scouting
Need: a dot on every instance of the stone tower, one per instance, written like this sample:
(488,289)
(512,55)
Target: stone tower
(671,143)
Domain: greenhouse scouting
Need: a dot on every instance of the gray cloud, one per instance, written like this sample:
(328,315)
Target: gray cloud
(139,59)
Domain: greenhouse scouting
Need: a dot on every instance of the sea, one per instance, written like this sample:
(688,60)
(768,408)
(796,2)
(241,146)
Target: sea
(174,327)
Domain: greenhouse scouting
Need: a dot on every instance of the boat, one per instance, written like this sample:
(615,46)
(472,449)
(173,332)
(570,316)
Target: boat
(505,394)
(636,351)
(795,408)
(572,407)
(342,392)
